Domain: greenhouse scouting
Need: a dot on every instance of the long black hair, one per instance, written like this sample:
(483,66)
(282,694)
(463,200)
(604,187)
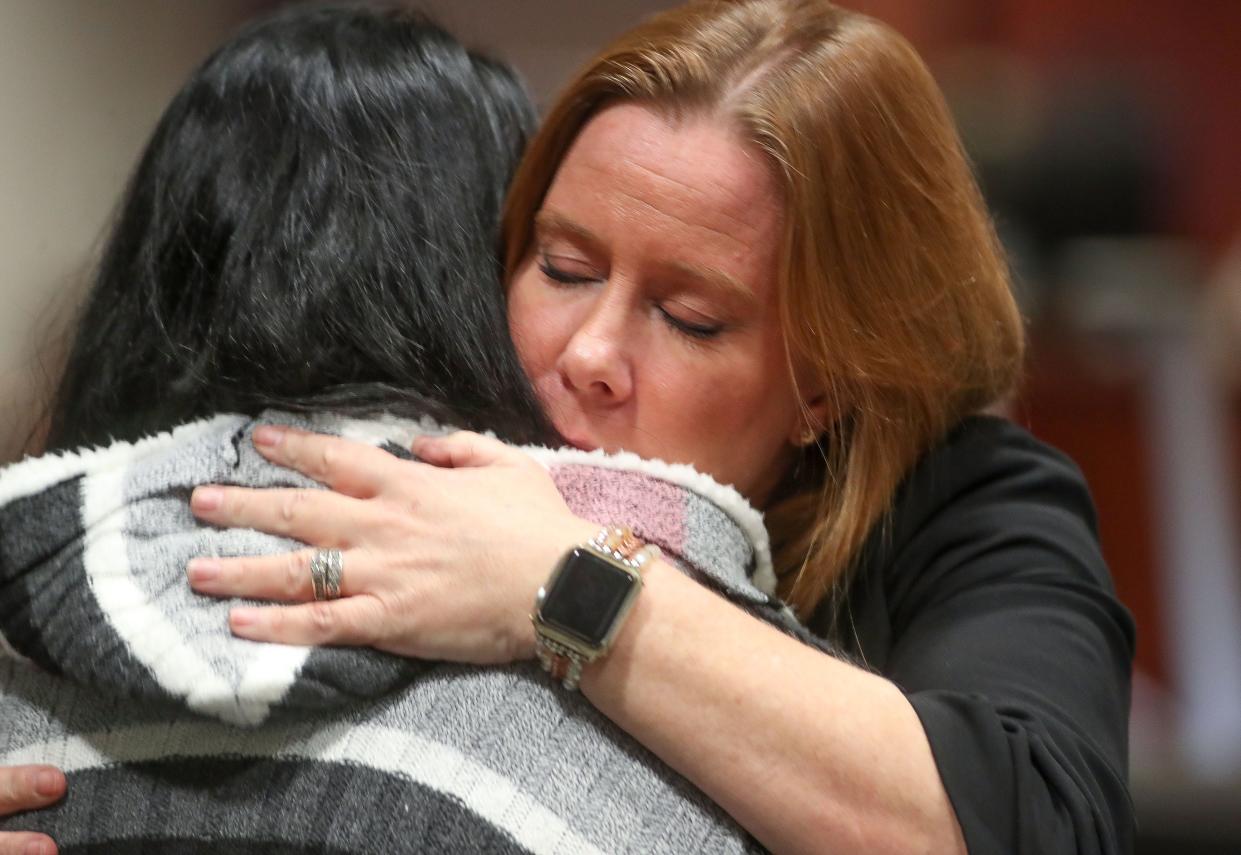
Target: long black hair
(312,225)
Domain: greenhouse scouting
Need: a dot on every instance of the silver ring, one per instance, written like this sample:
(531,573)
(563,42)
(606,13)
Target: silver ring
(327,566)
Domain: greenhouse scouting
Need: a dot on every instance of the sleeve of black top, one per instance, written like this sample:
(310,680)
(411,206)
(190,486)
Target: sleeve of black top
(1013,650)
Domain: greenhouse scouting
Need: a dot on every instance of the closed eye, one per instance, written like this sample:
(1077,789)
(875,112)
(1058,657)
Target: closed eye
(565,274)
(693,329)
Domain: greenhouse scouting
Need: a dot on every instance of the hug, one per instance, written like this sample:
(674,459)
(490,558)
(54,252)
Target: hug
(741,266)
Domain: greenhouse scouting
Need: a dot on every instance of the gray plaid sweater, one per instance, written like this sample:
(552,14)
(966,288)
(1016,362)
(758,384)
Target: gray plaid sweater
(176,736)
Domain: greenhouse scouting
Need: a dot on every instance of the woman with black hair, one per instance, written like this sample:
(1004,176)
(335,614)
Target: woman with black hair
(307,174)
(311,230)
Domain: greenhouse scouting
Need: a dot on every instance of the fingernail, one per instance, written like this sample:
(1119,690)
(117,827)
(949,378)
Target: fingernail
(203,569)
(37,847)
(243,617)
(47,783)
(206,498)
(268,435)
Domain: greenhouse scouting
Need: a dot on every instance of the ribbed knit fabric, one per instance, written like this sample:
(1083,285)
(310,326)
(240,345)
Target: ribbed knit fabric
(176,735)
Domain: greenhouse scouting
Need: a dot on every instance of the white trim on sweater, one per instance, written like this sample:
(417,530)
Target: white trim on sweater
(723,496)
(386,428)
(29,476)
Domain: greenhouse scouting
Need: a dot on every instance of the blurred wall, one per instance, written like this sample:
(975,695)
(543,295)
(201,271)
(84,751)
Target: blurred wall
(545,39)
(81,85)
(1183,56)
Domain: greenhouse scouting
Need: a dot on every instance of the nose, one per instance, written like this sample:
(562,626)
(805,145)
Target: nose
(595,364)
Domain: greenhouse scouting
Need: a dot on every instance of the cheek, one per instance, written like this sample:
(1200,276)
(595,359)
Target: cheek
(520,332)
(528,324)
(732,395)
(749,446)
(757,404)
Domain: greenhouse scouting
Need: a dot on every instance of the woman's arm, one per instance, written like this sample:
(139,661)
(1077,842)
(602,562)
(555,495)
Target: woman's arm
(28,788)
(807,752)
(1011,712)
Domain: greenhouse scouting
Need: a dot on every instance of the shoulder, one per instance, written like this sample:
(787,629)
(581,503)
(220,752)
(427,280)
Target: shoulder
(989,463)
(985,597)
(988,511)
(991,477)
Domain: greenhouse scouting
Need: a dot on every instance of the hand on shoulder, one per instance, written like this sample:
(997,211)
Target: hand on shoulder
(441,557)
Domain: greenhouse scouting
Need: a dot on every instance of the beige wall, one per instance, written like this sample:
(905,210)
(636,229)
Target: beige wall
(83,82)
(81,85)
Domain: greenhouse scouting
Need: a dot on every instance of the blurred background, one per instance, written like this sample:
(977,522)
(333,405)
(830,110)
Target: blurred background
(1105,134)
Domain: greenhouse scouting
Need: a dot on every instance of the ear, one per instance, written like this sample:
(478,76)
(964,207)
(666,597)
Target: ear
(819,412)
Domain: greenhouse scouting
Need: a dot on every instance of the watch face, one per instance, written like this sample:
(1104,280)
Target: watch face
(586,596)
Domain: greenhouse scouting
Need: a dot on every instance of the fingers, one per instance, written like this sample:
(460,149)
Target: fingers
(314,516)
(283,578)
(465,449)
(353,468)
(26,843)
(29,787)
(350,621)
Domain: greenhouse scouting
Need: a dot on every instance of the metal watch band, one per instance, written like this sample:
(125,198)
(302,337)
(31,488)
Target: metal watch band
(619,543)
(562,663)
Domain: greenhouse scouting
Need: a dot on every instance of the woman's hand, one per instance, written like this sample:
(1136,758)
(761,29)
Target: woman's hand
(28,788)
(442,558)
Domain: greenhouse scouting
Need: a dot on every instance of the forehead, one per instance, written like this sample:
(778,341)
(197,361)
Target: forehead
(686,177)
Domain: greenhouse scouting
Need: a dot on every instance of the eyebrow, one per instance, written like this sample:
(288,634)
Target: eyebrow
(718,280)
(553,222)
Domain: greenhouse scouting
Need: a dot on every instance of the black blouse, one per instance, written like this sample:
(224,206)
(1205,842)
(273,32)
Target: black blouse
(984,596)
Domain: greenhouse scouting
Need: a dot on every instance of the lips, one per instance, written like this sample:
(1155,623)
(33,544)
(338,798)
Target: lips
(577,440)
(558,408)
(584,445)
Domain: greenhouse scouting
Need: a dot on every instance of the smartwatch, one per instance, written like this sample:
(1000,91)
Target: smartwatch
(580,610)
